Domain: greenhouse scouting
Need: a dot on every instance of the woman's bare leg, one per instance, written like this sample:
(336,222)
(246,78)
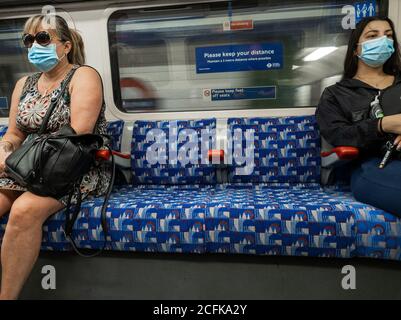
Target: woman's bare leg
(7,198)
(22,240)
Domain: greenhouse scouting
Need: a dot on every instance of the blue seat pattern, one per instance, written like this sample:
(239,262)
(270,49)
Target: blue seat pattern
(378,234)
(171,173)
(262,219)
(140,218)
(296,220)
(278,217)
(3,130)
(115,131)
(286,149)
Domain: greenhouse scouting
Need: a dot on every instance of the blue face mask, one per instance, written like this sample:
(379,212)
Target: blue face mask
(43,58)
(377,51)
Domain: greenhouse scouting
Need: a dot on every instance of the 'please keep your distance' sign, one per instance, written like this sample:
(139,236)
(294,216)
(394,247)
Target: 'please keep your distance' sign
(247,57)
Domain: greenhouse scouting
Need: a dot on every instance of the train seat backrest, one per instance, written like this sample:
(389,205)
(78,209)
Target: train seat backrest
(3,130)
(115,131)
(279,150)
(285,149)
(172,152)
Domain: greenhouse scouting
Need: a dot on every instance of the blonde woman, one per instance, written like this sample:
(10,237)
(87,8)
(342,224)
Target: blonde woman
(58,53)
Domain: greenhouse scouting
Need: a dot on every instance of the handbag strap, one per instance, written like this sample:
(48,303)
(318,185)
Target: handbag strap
(55,100)
(71,218)
(70,221)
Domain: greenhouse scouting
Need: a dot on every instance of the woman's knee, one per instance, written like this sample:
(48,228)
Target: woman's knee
(7,198)
(25,215)
(30,211)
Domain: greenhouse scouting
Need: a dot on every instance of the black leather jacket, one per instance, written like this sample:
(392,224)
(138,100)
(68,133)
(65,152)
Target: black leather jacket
(343,114)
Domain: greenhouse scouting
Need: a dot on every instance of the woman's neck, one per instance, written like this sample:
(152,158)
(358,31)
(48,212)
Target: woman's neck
(58,71)
(365,71)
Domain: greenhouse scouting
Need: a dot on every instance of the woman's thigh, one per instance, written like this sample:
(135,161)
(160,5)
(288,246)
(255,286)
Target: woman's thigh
(34,208)
(378,187)
(7,198)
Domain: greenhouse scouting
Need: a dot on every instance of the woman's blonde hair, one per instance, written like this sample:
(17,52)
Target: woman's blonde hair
(64,33)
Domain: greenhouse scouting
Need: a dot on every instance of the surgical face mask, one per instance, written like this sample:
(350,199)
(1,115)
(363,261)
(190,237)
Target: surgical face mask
(377,51)
(44,58)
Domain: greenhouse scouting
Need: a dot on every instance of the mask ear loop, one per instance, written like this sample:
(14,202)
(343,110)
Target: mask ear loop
(62,57)
(357,55)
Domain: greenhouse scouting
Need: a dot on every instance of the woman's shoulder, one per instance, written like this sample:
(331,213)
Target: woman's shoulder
(26,82)
(329,91)
(86,70)
(335,94)
(85,73)
(30,77)
(346,87)
(21,82)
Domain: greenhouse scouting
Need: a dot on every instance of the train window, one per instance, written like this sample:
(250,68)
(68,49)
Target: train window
(13,60)
(223,55)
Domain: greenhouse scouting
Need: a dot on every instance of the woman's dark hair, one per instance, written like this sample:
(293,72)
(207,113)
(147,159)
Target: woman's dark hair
(392,65)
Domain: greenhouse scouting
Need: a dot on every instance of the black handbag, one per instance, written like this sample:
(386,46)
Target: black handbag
(50,165)
(54,165)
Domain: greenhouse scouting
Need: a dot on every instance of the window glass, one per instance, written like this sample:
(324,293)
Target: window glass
(13,60)
(244,54)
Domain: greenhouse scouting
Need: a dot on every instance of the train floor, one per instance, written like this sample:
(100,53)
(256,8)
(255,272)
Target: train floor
(115,275)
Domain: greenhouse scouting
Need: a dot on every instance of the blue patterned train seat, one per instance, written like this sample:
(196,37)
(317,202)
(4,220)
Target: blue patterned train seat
(140,218)
(115,131)
(280,208)
(295,220)
(3,130)
(285,149)
(167,165)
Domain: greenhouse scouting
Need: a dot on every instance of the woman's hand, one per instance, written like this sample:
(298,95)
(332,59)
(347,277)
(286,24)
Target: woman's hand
(397,142)
(6,148)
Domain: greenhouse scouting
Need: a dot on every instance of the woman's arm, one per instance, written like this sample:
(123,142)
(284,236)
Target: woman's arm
(13,137)
(338,130)
(86,99)
(13,134)
(392,124)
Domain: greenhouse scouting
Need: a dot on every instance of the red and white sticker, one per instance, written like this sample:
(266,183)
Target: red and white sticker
(238,25)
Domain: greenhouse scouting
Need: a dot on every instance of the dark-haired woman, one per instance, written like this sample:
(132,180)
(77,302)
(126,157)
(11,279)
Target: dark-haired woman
(58,52)
(345,115)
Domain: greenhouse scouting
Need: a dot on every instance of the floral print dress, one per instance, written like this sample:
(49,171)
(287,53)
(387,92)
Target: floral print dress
(32,109)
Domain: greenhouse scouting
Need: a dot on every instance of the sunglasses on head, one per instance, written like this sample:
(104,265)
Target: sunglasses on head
(42,38)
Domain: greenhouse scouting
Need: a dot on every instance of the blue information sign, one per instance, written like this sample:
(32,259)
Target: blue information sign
(3,103)
(364,9)
(245,57)
(249,93)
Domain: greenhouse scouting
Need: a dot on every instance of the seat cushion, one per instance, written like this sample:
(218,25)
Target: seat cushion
(179,146)
(294,220)
(282,149)
(378,234)
(141,218)
(299,220)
